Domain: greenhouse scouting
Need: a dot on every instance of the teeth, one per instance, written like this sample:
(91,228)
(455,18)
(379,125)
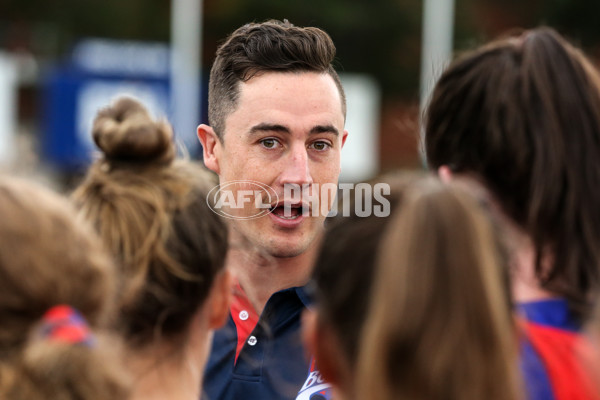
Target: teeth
(295,210)
(285,211)
(290,217)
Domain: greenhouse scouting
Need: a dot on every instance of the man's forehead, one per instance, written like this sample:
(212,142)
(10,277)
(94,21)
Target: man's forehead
(272,97)
(289,79)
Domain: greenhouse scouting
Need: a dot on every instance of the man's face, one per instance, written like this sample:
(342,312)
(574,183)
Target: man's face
(288,129)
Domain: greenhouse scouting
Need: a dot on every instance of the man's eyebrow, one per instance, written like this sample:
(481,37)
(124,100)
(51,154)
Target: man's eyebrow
(265,127)
(325,129)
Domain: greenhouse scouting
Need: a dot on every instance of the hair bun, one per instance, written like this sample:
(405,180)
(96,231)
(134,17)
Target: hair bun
(125,131)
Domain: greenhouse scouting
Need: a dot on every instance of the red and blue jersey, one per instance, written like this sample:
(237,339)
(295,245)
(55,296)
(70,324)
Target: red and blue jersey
(550,359)
(258,357)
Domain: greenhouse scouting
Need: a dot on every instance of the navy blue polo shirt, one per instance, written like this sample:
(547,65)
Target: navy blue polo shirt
(272,362)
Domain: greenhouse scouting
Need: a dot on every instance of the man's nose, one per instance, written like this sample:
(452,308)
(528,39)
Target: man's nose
(296,168)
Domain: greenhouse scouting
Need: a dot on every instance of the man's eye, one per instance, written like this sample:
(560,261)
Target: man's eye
(269,143)
(320,146)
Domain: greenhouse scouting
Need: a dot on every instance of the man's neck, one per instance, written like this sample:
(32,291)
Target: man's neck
(261,277)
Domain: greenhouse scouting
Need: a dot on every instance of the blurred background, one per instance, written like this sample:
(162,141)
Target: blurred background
(60,60)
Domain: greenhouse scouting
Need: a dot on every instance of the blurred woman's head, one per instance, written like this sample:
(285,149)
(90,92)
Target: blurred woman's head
(439,323)
(57,287)
(151,212)
(522,114)
(401,300)
(341,282)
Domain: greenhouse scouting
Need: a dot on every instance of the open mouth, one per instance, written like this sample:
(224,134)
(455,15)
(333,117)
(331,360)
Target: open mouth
(289,211)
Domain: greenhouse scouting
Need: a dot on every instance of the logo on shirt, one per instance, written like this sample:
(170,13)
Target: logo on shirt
(314,388)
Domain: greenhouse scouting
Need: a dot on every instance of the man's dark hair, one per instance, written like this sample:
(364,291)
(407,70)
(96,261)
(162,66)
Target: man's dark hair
(271,46)
(523,114)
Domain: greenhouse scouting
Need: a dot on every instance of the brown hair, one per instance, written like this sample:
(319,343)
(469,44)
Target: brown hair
(49,258)
(524,115)
(439,325)
(344,269)
(271,46)
(151,212)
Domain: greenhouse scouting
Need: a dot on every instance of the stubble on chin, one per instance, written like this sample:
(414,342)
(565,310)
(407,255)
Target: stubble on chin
(263,247)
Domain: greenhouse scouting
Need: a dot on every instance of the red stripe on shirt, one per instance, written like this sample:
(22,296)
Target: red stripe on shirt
(240,304)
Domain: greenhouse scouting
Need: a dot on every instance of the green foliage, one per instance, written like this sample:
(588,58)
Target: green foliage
(378,37)
(576,18)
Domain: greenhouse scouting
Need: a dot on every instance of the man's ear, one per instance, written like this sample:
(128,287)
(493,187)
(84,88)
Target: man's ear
(344,137)
(220,299)
(445,173)
(321,343)
(210,147)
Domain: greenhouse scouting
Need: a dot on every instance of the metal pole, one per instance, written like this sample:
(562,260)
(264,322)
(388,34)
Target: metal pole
(8,109)
(186,50)
(437,44)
